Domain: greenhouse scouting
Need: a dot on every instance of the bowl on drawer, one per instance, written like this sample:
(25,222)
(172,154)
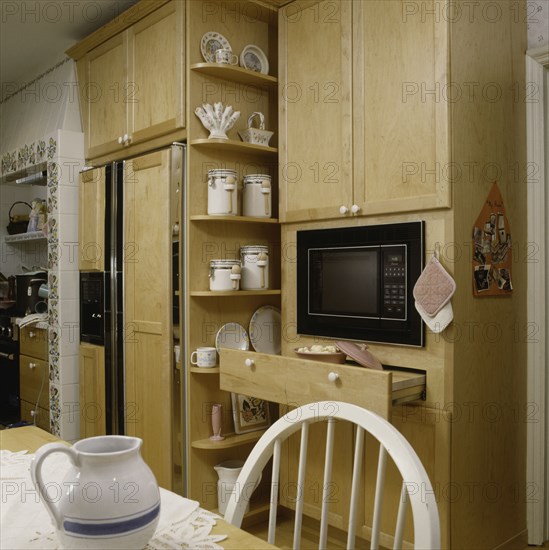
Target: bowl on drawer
(328,354)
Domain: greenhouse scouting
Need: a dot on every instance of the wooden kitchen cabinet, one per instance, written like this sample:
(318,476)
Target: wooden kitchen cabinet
(91,221)
(132,85)
(362,136)
(92,390)
(34,376)
(148,342)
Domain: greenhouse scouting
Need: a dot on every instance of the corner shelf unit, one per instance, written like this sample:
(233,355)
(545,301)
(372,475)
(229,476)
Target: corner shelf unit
(34,236)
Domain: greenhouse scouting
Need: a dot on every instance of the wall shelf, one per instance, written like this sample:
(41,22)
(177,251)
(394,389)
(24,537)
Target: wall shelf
(231,440)
(205,370)
(235,74)
(218,293)
(236,219)
(234,146)
(25,237)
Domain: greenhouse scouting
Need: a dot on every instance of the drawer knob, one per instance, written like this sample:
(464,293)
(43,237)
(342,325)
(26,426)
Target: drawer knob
(32,365)
(355,209)
(333,376)
(32,334)
(343,210)
(249,362)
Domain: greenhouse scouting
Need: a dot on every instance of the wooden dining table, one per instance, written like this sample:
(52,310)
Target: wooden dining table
(31,438)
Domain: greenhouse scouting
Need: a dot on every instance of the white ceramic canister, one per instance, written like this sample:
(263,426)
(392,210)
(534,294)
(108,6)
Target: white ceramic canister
(222,193)
(255,267)
(257,196)
(225,274)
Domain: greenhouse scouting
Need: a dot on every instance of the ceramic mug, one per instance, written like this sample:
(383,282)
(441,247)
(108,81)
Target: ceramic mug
(226,57)
(204,357)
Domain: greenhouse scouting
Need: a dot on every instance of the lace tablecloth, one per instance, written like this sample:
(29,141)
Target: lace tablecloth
(27,525)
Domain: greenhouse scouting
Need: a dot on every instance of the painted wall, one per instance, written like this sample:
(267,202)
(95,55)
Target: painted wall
(537,18)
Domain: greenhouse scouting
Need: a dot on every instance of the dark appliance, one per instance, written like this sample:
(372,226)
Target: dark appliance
(9,367)
(92,307)
(356,282)
(28,285)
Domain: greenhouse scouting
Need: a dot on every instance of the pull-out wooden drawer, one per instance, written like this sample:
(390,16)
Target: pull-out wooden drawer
(34,380)
(297,382)
(33,415)
(34,342)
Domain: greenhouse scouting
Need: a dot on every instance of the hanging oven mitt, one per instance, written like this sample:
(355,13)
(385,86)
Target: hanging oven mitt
(432,293)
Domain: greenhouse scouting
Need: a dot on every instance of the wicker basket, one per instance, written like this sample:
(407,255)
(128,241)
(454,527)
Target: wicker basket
(16,227)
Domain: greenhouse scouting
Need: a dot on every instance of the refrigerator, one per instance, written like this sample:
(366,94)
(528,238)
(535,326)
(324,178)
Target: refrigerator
(143,206)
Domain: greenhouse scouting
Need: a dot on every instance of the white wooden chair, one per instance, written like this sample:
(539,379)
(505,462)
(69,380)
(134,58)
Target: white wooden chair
(416,487)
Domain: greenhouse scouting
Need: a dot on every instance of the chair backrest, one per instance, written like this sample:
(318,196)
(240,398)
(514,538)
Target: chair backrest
(416,487)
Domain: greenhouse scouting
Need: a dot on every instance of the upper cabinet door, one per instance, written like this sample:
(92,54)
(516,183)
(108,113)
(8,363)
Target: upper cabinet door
(315,110)
(104,95)
(400,107)
(155,88)
(91,221)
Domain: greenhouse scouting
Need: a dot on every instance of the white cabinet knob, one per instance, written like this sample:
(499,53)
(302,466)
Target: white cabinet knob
(333,376)
(32,366)
(32,334)
(355,209)
(128,139)
(343,210)
(249,362)
(120,140)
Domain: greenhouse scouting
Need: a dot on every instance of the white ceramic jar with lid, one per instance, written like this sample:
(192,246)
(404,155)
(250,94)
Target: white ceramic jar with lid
(255,267)
(225,274)
(222,192)
(257,196)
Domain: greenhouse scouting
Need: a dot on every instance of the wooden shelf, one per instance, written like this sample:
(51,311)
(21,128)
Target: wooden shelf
(25,237)
(236,74)
(205,370)
(218,293)
(231,440)
(234,146)
(236,219)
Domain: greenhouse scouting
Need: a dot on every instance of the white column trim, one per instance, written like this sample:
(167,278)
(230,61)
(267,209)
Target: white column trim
(536,350)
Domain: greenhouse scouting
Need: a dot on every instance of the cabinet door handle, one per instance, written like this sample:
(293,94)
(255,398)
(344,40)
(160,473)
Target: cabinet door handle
(343,210)
(333,376)
(355,209)
(32,366)
(32,334)
(249,363)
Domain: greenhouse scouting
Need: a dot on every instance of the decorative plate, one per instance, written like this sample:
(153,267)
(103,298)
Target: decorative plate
(232,336)
(210,43)
(253,59)
(265,330)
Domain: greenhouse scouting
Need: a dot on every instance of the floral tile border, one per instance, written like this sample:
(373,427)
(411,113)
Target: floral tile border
(28,155)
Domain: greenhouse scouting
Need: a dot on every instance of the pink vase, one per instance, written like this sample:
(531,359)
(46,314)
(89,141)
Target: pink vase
(217,421)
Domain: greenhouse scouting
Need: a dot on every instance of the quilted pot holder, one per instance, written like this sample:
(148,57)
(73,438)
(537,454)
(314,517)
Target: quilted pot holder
(441,320)
(434,288)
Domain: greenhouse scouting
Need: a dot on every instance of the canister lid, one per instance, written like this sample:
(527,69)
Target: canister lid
(254,249)
(224,264)
(221,173)
(256,178)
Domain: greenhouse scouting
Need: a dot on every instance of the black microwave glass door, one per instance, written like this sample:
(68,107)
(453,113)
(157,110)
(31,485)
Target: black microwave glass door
(344,282)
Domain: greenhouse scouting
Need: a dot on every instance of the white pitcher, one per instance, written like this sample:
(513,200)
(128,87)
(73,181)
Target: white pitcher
(110,496)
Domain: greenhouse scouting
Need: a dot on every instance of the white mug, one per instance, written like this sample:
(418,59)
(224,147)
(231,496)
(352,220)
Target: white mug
(204,357)
(226,57)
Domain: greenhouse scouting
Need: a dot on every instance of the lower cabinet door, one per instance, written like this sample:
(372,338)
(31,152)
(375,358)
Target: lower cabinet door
(92,391)
(35,415)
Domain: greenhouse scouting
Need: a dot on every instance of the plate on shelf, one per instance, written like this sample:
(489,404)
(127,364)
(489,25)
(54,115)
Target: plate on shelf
(210,43)
(360,354)
(264,328)
(254,59)
(232,336)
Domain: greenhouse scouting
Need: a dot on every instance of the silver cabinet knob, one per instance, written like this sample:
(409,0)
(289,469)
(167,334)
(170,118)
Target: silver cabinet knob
(343,210)
(333,376)
(355,209)
(249,363)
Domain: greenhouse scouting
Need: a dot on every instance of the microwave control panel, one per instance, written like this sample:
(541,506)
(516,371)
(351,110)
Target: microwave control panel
(394,282)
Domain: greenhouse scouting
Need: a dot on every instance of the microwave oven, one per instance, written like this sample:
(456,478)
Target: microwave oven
(356,283)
